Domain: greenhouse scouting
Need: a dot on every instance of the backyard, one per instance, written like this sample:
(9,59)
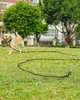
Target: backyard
(16,84)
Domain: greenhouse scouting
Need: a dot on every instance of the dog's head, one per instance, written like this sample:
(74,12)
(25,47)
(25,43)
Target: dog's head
(7,37)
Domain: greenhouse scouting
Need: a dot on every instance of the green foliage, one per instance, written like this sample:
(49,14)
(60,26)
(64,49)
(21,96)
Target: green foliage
(62,13)
(77,29)
(24,18)
(56,11)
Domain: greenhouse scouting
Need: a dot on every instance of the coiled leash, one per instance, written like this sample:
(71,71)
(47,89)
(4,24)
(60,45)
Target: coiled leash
(19,65)
(63,76)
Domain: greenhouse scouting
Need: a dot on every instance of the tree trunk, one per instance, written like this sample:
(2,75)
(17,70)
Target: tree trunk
(37,38)
(68,40)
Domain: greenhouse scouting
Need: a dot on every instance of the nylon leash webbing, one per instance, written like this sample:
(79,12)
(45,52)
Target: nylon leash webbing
(74,60)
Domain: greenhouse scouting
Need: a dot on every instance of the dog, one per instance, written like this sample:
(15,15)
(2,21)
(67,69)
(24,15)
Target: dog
(13,41)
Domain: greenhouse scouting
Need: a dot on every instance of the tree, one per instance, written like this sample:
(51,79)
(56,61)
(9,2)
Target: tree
(24,18)
(77,30)
(63,14)
(40,28)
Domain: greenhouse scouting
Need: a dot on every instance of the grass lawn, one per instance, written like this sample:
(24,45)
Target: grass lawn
(16,84)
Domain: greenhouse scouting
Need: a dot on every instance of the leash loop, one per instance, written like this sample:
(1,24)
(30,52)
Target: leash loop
(74,60)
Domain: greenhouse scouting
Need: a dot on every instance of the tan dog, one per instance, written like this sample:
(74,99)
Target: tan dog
(14,41)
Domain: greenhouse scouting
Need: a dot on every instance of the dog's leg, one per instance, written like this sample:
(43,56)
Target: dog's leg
(20,49)
(10,51)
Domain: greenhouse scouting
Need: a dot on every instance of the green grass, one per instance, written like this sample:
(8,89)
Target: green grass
(16,84)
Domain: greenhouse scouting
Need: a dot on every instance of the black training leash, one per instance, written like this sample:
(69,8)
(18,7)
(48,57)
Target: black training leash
(43,75)
(64,76)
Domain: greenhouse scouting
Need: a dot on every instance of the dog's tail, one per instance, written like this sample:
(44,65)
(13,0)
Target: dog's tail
(17,34)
